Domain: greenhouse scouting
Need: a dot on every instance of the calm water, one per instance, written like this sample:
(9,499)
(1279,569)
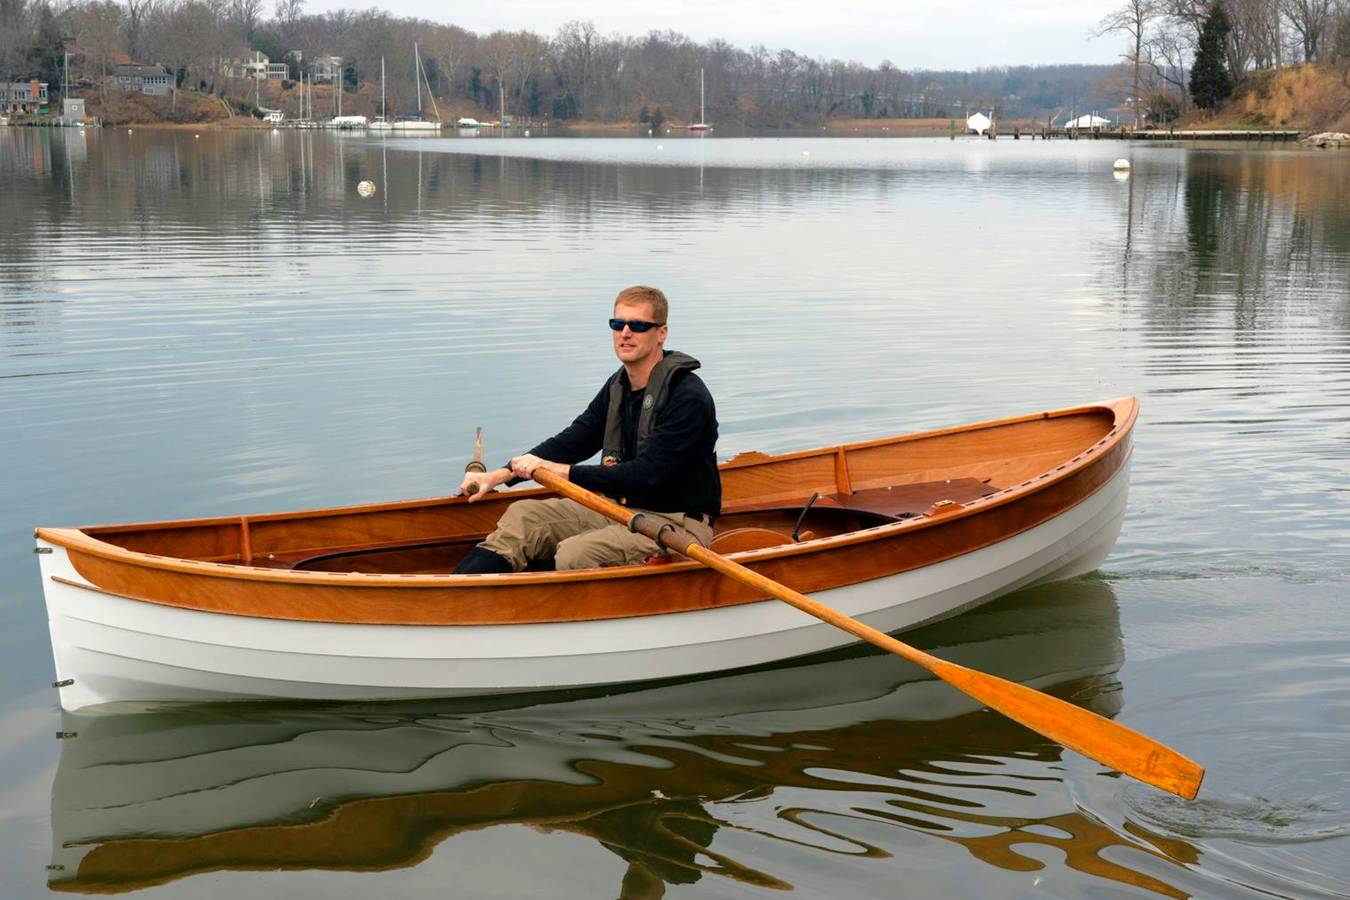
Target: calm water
(194,326)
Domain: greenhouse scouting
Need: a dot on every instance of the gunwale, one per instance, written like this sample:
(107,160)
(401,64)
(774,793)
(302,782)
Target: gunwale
(113,569)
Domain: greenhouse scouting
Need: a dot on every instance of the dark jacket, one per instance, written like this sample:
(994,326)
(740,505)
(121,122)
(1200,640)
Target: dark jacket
(674,469)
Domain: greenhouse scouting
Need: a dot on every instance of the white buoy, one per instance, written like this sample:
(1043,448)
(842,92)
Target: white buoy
(658,147)
(128,131)
(527,132)
(1121,165)
(366,189)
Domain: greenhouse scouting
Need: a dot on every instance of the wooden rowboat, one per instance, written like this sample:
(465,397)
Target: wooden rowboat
(359,603)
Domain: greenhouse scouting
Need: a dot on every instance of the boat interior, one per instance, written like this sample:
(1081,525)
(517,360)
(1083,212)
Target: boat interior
(767,501)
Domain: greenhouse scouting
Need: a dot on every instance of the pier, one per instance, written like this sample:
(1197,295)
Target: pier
(1117,133)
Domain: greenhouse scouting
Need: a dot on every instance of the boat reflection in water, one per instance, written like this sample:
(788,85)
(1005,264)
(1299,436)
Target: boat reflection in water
(653,775)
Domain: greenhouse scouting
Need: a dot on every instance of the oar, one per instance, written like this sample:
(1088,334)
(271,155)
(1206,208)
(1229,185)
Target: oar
(1109,743)
(476,464)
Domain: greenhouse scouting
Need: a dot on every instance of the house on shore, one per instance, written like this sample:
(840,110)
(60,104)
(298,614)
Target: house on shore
(155,81)
(258,67)
(23,97)
(326,69)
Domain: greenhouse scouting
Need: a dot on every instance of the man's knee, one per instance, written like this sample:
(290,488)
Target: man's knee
(520,532)
(582,551)
(610,546)
(521,514)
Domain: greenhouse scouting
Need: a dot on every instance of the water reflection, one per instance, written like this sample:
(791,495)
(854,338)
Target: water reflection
(1238,233)
(813,756)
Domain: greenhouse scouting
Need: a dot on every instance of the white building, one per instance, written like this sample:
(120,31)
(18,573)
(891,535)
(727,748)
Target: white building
(259,67)
(326,68)
(1089,121)
(72,111)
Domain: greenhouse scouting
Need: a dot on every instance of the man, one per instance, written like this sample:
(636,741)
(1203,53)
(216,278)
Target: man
(655,426)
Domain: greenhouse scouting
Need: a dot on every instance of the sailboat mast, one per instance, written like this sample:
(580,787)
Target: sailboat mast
(384,113)
(702,116)
(417,76)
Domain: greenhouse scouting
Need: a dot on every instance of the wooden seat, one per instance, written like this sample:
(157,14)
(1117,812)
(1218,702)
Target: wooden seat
(738,540)
(908,500)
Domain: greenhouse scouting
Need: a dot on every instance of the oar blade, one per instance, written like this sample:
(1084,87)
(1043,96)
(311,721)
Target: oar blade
(1110,743)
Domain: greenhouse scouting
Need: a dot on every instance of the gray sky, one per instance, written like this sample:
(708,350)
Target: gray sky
(928,34)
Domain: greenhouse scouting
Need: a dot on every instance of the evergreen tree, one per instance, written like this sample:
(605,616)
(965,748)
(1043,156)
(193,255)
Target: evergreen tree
(1210,82)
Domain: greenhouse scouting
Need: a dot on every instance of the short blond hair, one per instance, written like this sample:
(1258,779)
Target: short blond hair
(640,293)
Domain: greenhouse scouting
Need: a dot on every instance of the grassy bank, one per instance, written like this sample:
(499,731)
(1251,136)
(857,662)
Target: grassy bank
(1310,98)
(191,109)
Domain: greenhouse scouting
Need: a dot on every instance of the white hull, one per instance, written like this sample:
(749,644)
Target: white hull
(114,649)
(416,126)
(146,773)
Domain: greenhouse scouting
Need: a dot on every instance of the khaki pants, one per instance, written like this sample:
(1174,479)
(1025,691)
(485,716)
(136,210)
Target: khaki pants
(576,537)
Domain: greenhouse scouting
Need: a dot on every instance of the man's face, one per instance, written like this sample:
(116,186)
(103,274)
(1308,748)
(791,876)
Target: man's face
(635,347)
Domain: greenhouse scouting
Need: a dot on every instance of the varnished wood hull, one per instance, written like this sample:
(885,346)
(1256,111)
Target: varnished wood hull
(130,625)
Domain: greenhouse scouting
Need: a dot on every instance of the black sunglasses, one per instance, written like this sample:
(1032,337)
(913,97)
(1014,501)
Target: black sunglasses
(637,325)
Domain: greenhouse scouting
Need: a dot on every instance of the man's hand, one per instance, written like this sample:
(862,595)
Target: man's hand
(477,485)
(524,466)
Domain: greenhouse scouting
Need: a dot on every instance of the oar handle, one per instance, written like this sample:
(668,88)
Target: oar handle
(476,464)
(1094,736)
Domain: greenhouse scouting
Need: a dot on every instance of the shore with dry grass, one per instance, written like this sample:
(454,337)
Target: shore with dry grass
(1307,98)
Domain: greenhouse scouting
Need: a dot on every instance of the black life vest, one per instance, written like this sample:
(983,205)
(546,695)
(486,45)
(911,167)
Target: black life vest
(653,399)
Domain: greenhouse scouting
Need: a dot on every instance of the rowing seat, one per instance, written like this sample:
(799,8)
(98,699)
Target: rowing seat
(739,540)
(906,501)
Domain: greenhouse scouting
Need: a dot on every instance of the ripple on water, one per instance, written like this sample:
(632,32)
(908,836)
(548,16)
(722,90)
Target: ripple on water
(1268,723)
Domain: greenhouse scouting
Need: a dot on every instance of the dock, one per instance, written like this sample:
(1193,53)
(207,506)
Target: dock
(1116,133)
(1172,134)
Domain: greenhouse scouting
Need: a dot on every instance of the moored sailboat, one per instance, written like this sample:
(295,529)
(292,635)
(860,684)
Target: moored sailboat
(702,123)
(418,123)
(381,122)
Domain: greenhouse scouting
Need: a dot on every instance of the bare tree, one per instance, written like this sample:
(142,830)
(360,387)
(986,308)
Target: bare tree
(1133,18)
(98,29)
(1256,40)
(243,15)
(138,11)
(190,37)
(499,54)
(1309,19)
(289,11)
(16,33)
(1166,52)
(573,58)
(450,47)
(529,54)
(1338,35)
